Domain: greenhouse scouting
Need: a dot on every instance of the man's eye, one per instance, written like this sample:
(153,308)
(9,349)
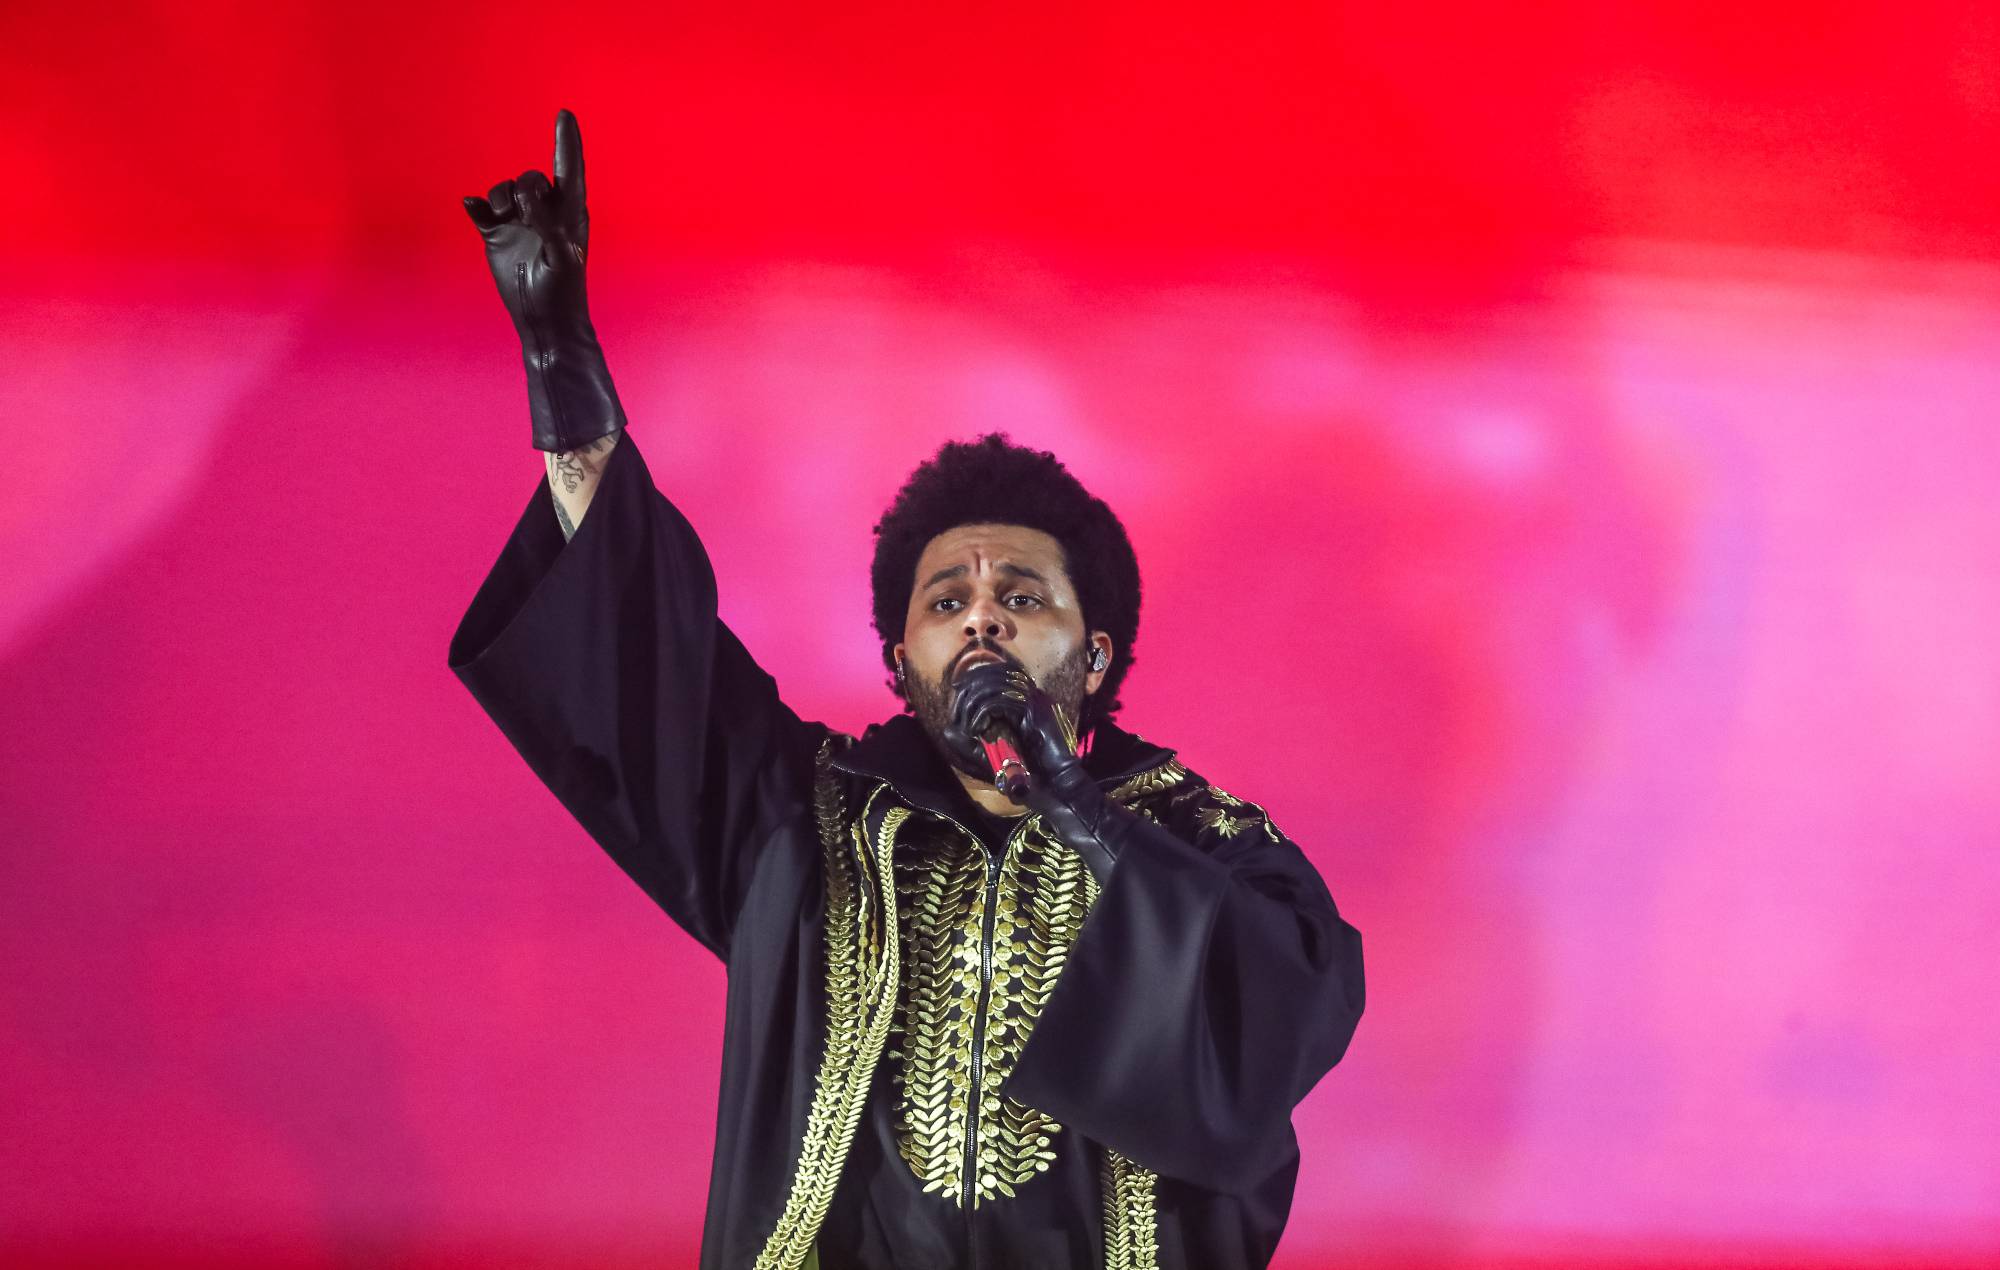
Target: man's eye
(939,605)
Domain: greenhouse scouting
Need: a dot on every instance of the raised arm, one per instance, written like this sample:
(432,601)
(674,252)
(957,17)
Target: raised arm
(595,646)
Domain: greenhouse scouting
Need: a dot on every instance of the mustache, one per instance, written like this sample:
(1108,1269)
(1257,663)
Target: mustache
(979,645)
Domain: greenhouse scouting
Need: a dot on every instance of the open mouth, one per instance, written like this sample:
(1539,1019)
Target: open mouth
(976,657)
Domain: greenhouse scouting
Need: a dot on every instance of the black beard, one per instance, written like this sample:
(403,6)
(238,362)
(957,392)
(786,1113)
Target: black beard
(933,701)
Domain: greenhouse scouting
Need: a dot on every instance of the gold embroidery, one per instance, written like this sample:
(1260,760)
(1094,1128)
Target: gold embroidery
(1219,819)
(1068,728)
(1040,899)
(923,898)
(1150,781)
(939,879)
(1225,813)
(1131,1226)
(861,974)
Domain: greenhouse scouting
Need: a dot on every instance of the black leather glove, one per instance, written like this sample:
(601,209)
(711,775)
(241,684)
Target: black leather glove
(1002,695)
(536,237)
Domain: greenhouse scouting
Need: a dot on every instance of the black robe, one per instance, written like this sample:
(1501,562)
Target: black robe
(1120,1056)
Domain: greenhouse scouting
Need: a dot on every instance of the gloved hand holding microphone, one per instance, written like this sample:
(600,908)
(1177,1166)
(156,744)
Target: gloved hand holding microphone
(1000,699)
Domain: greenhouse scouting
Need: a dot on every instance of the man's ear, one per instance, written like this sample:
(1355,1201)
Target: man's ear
(1100,649)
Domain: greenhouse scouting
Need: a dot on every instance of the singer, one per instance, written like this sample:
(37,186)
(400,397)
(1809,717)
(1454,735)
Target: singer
(1008,985)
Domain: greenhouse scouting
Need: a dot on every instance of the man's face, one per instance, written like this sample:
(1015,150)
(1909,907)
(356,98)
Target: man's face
(986,591)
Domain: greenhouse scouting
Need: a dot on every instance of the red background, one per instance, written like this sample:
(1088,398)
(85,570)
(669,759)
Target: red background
(1560,444)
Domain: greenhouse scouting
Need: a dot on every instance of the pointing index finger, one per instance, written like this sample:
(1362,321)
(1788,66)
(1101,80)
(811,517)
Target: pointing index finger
(569,159)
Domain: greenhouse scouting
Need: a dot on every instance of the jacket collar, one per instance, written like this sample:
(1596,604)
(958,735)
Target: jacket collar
(899,752)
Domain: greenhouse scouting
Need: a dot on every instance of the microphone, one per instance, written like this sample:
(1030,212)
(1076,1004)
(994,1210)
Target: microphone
(1010,775)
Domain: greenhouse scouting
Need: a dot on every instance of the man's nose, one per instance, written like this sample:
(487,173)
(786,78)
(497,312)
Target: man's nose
(985,618)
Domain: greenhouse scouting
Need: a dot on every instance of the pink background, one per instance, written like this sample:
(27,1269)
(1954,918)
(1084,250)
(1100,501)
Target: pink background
(1561,448)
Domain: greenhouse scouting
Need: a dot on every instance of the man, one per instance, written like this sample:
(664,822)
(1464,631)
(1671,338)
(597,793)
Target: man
(1062,1023)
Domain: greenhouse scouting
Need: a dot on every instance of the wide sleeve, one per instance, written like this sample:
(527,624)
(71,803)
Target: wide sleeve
(1212,985)
(603,661)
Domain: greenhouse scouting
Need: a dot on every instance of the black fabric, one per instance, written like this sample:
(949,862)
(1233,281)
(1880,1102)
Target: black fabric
(1212,983)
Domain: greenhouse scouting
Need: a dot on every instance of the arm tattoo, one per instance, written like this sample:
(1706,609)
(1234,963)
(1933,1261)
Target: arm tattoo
(570,467)
(567,465)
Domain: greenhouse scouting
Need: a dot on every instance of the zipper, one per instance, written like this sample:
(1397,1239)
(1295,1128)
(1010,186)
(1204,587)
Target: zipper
(528,312)
(969,1176)
(988,915)
(539,354)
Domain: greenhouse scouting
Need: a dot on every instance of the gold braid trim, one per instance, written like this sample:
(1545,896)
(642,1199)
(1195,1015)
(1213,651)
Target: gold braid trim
(861,974)
(1131,1218)
(1131,1239)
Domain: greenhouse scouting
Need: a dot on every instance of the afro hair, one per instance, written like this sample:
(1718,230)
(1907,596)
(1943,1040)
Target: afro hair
(993,481)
